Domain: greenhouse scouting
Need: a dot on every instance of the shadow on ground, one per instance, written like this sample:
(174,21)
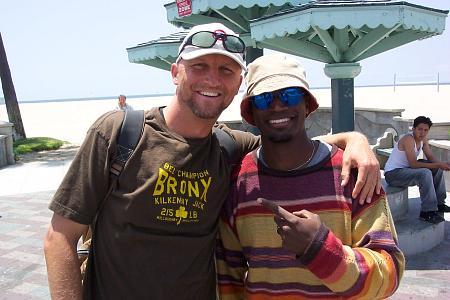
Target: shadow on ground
(437,258)
(63,154)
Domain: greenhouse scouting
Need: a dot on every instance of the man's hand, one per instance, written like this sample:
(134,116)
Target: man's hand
(445,166)
(357,154)
(369,180)
(297,230)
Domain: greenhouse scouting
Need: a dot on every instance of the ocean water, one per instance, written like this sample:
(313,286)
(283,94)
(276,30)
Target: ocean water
(2,100)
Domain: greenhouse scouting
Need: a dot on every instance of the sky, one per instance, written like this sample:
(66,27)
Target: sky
(77,49)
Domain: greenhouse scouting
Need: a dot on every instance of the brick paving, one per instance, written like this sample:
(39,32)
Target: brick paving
(23,222)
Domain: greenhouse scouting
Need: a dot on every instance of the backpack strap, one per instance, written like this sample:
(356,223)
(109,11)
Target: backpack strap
(228,145)
(127,140)
(129,136)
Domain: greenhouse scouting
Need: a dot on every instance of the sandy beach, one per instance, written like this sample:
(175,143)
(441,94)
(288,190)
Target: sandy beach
(69,120)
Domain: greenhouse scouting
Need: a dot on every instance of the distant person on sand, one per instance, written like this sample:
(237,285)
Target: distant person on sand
(404,169)
(122,103)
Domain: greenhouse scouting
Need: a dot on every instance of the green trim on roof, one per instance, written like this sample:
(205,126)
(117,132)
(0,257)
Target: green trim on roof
(348,30)
(239,12)
(341,38)
(368,41)
(400,39)
(235,18)
(202,6)
(159,55)
(326,31)
(329,43)
(293,46)
(295,20)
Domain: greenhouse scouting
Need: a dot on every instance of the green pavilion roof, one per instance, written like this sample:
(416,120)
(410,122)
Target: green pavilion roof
(235,14)
(338,33)
(327,31)
(160,53)
(346,31)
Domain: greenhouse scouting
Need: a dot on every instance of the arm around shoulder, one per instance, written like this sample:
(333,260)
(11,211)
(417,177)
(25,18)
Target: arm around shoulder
(342,139)
(358,154)
(245,141)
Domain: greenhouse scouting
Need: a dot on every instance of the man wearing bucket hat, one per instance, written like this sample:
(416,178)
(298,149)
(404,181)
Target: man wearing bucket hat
(288,228)
(156,232)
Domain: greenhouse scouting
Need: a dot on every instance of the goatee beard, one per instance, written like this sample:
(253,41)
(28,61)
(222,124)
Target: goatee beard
(205,112)
(202,114)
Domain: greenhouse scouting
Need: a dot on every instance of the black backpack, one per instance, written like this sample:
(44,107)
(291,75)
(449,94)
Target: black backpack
(128,138)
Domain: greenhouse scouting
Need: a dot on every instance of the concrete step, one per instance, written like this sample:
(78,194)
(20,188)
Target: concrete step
(414,235)
(417,236)
(398,201)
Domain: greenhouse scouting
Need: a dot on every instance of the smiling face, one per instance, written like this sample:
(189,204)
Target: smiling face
(281,123)
(207,84)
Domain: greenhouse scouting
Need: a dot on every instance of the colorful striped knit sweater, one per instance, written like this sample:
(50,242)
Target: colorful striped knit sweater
(355,255)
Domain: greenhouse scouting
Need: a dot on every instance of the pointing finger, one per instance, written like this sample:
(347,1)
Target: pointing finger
(277,210)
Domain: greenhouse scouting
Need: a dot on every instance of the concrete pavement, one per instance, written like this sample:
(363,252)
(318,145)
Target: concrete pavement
(23,223)
(27,188)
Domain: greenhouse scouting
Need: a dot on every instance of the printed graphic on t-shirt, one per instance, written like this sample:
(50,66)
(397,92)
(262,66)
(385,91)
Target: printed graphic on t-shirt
(181,195)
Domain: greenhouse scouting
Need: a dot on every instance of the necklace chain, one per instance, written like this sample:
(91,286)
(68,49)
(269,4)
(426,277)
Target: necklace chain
(308,160)
(260,156)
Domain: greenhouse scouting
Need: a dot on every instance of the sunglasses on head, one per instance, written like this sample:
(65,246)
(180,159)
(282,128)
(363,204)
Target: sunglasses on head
(207,39)
(288,96)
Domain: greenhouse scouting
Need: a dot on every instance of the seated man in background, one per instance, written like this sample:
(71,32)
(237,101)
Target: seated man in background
(323,243)
(404,169)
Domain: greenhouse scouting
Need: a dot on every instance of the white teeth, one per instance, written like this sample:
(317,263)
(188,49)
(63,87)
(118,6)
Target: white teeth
(279,121)
(209,94)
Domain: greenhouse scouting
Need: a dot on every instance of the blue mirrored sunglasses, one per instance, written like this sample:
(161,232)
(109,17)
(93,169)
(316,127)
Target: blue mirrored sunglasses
(287,96)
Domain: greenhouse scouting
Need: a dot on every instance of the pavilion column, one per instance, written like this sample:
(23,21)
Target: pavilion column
(252,53)
(342,95)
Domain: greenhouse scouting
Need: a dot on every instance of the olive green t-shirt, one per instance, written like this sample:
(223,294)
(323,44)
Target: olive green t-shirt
(156,232)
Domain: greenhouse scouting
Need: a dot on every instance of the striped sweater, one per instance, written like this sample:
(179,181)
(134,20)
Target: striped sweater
(355,254)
